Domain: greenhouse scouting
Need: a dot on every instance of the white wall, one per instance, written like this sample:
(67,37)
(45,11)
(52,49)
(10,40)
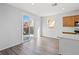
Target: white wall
(48,32)
(57,31)
(11,25)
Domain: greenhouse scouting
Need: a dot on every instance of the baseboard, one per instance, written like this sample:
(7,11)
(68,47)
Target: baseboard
(48,37)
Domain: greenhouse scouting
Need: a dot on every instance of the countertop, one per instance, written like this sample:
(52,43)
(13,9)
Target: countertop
(69,36)
(69,33)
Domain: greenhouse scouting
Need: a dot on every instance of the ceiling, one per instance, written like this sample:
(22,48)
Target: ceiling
(46,9)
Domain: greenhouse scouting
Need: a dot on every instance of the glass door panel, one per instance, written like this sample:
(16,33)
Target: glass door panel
(28,28)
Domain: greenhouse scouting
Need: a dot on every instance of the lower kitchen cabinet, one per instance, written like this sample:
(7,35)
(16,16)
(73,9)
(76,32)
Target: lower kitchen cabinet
(68,46)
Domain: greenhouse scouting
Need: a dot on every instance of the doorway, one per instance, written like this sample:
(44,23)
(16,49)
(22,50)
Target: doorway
(28,28)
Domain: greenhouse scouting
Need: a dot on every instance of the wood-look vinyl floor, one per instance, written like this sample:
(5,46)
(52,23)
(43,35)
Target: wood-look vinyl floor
(42,46)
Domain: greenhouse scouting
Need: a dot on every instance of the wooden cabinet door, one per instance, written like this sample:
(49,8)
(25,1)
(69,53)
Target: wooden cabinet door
(68,21)
(76,18)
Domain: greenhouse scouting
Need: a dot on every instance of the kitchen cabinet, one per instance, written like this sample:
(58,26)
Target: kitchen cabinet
(68,46)
(76,18)
(68,21)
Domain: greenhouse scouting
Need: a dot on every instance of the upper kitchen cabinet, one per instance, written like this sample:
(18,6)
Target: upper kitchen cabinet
(68,21)
(76,18)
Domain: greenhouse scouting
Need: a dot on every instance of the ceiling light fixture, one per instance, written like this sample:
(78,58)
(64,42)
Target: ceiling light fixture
(54,4)
(32,3)
(62,8)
